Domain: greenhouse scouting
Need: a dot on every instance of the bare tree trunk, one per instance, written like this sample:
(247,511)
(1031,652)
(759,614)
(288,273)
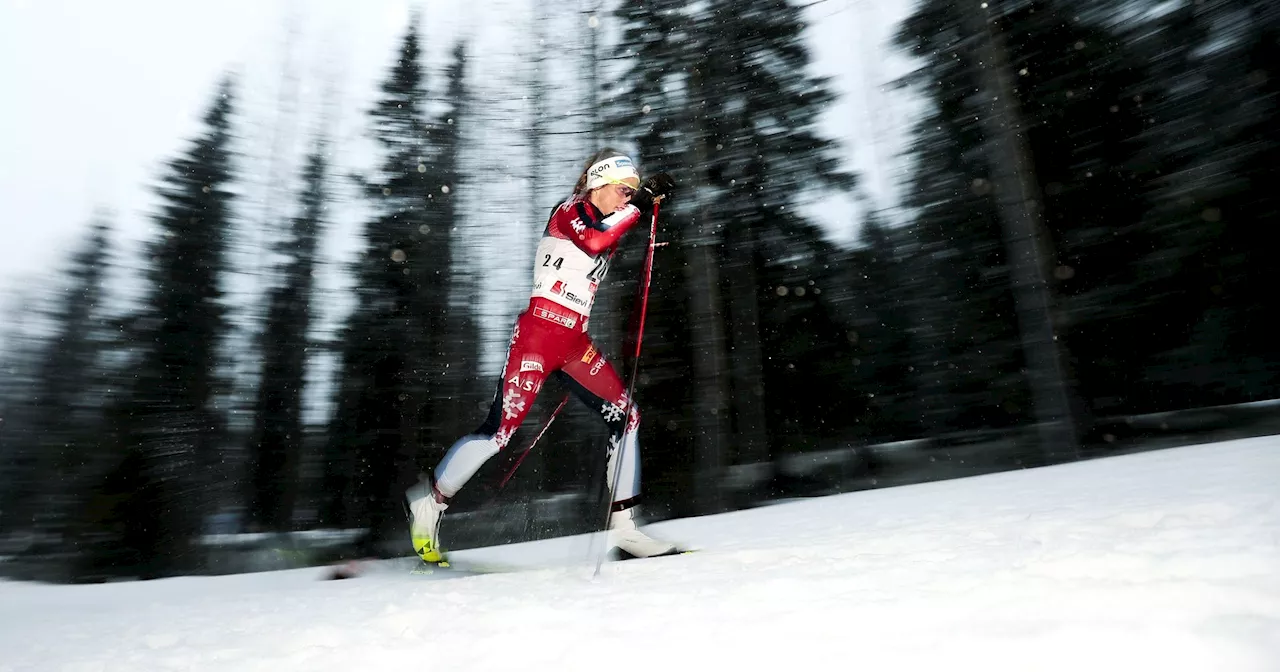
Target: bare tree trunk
(710,398)
(1013,177)
(710,393)
(534,469)
(591,70)
(746,357)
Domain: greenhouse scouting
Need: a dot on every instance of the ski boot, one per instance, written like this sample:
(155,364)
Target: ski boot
(629,542)
(425,511)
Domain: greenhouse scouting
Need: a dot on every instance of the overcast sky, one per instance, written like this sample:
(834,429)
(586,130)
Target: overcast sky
(98,94)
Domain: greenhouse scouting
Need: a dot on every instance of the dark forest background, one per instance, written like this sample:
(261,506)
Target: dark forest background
(1087,267)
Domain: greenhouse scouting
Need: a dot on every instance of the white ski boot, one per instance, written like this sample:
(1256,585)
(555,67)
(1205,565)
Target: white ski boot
(425,512)
(626,537)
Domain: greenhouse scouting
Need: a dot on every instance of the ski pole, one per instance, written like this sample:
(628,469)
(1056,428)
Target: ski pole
(631,385)
(512,471)
(644,302)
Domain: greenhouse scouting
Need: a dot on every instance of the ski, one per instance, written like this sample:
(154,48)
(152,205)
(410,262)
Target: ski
(414,566)
(463,568)
(618,555)
(455,568)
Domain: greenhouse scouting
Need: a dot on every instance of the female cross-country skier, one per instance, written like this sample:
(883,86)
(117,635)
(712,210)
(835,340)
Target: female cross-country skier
(550,337)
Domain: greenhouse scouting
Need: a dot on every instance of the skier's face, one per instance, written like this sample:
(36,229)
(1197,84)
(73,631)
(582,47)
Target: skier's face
(612,197)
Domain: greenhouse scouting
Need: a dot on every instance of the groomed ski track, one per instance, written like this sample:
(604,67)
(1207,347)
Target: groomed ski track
(1167,560)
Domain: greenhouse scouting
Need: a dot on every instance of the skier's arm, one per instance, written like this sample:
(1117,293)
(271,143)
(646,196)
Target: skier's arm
(596,236)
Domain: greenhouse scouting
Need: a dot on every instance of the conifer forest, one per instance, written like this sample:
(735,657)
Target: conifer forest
(1077,263)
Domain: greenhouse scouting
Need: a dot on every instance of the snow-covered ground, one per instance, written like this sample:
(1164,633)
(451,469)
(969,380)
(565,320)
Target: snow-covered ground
(1159,561)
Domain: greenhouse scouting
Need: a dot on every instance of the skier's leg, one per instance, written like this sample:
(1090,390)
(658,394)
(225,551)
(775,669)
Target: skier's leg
(525,371)
(596,383)
(522,377)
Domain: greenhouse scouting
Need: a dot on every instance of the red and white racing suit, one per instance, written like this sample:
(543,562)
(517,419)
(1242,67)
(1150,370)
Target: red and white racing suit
(550,337)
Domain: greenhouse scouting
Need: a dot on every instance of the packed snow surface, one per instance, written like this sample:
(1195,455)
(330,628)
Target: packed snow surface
(1159,561)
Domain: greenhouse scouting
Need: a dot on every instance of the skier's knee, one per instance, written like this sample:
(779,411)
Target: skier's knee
(619,417)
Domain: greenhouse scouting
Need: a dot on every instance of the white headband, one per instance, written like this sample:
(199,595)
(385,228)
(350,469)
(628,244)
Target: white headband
(613,170)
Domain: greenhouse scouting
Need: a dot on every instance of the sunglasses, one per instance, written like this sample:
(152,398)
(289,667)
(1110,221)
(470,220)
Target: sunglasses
(625,190)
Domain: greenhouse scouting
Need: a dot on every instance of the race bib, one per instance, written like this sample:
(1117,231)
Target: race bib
(566,275)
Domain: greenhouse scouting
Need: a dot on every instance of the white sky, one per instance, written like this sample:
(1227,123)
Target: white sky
(97,95)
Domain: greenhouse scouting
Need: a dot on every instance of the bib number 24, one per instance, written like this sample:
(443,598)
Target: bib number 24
(596,274)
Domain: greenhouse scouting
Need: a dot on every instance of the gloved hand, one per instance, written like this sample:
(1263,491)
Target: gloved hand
(656,188)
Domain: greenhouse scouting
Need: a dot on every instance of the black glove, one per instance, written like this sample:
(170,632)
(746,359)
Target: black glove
(657,187)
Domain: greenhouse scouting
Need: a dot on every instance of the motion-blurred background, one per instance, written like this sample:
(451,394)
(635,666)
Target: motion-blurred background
(259,260)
